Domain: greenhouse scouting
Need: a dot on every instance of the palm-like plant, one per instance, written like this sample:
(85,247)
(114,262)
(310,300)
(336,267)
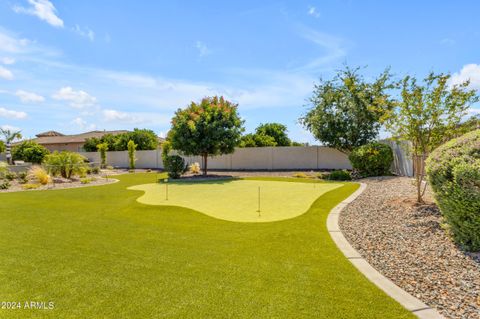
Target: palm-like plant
(9,137)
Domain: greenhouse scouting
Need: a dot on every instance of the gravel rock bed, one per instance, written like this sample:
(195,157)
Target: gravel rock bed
(61,183)
(407,244)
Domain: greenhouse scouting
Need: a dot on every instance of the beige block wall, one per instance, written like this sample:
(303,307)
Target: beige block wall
(294,157)
(261,158)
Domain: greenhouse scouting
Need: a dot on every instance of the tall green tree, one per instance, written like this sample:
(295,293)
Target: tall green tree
(257,140)
(211,127)
(347,111)
(144,139)
(29,151)
(277,131)
(8,137)
(427,115)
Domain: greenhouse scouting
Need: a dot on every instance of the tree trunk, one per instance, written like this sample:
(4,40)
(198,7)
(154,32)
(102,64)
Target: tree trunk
(419,175)
(205,159)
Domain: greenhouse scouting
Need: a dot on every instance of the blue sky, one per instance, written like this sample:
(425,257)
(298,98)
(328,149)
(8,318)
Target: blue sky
(73,66)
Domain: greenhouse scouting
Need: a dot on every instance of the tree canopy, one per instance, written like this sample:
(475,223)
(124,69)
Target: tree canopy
(211,127)
(428,114)
(29,151)
(144,139)
(347,111)
(268,134)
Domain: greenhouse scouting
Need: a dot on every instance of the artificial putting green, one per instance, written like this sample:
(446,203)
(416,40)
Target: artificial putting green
(98,253)
(237,200)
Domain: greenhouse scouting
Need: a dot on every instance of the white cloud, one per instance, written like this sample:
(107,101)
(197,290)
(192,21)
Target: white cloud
(120,117)
(42,9)
(78,99)
(5,73)
(85,32)
(447,41)
(468,72)
(333,47)
(312,11)
(203,50)
(10,114)
(7,60)
(10,128)
(83,124)
(10,44)
(29,97)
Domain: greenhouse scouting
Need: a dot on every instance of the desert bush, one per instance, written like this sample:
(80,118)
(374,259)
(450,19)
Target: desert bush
(22,177)
(453,171)
(174,165)
(339,175)
(194,168)
(39,174)
(31,186)
(3,169)
(373,159)
(5,185)
(29,151)
(300,175)
(65,164)
(85,180)
(10,176)
(95,170)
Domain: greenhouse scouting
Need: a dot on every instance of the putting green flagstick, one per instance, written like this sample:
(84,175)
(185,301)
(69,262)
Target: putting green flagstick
(259,202)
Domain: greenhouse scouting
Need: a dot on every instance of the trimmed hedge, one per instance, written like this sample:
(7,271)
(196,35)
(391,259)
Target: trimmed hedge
(175,166)
(373,159)
(453,171)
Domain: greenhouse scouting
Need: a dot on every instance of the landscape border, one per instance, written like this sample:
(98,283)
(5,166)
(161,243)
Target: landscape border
(409,302)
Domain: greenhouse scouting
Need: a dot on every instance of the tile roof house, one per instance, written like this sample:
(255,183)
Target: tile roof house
(55,141)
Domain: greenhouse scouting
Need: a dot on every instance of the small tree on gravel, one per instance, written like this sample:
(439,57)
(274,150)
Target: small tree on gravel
(428,114)
(211,127)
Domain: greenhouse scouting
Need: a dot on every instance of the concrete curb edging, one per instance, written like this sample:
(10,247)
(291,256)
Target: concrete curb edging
(409,302)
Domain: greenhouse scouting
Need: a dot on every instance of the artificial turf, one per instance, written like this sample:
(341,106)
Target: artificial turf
(98,253)
(237,200)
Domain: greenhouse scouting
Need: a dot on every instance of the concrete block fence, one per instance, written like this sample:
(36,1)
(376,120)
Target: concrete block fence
(258,158)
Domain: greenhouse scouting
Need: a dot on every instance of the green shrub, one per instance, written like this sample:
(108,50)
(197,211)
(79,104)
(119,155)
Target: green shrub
(65,164)
(340,175)
(22,177)
(174,165)
(10,176)
(373,159)
(5,185)
(29,151)
(453,171)
(95,170)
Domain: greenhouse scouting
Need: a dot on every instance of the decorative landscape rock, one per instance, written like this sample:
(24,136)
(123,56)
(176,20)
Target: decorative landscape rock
(407,244)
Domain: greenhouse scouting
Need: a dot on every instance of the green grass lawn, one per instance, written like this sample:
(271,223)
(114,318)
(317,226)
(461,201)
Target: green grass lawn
(98,253)
(237,200)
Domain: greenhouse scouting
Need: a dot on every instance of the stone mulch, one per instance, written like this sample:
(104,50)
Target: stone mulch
(407,244)
(61,183)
